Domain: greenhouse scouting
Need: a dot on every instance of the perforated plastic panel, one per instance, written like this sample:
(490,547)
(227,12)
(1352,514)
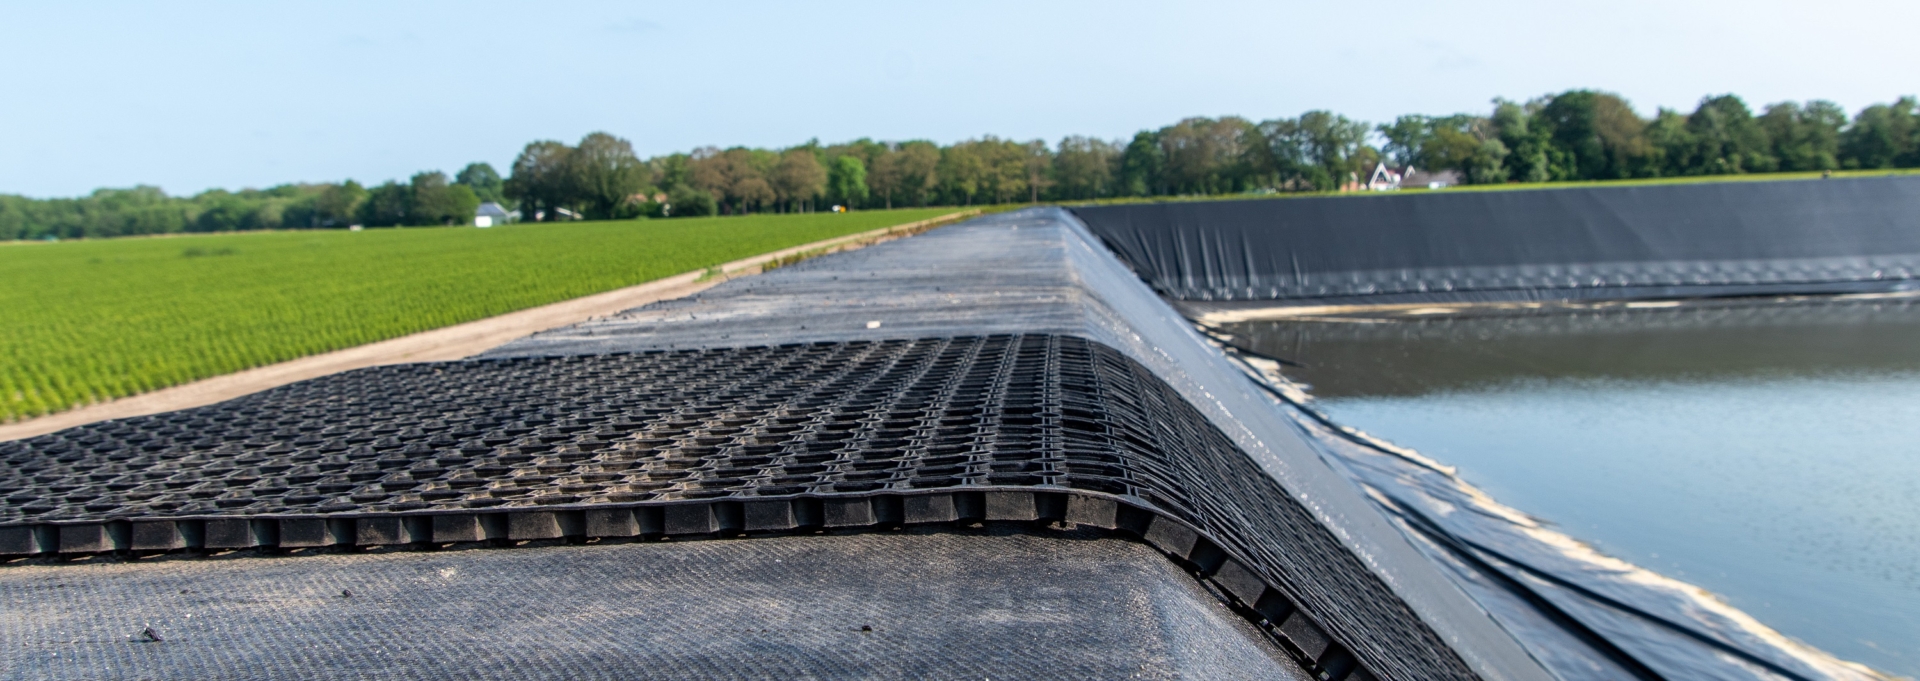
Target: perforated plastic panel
(1033,427)
(743,423)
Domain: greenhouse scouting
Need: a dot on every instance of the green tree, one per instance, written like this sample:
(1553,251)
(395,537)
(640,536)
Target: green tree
(885,175)
(1672,146)
(753,187)
(671,170)
(1083,167)
(1037,161)
(1489,163)
(220,211)
(1883,136)
(847,180)
(386,205)
(1458,142)
(433,201)
(1003,167)
(213,211)
(962,172)
(1530,157)
(685,201)
(919,170)
(1804,138)
(1277,154)
(1730,140)
(798,178)
(540,179)
(1205,155)
(123,212)
(738,178)
(602,175)
(338,204)
(483,180)
(1406,137)
(1143,166)
(868,152)
(1332,146)
(1598,132)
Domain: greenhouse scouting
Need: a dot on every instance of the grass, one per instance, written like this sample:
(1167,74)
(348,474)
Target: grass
(87,321)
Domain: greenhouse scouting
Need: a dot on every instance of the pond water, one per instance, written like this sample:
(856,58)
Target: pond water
(1767,451)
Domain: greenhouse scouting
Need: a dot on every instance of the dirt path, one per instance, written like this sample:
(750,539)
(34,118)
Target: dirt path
(446,343)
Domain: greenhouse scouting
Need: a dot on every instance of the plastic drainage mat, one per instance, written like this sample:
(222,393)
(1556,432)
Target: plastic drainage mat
(828,418)
(979,604)
(1725,238)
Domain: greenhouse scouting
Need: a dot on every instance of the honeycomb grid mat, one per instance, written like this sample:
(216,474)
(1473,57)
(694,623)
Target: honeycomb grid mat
(695,442)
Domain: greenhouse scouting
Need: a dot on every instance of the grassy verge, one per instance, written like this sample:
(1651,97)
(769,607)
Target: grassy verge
(87,321)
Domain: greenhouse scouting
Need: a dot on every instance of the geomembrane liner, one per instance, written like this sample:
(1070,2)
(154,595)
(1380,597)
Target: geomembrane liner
(1579,243)
(920,603)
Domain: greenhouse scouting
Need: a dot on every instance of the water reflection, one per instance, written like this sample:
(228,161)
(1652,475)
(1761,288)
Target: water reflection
(1768,451)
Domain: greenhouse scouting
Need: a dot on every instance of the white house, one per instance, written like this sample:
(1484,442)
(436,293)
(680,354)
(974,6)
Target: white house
(1383,178)
(490,214)
(1388,179)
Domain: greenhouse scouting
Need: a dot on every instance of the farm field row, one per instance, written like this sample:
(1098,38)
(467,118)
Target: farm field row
(87,321)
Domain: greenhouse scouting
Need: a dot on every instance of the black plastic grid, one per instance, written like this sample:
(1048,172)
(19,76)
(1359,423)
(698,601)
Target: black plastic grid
(1034,427)
(856,417)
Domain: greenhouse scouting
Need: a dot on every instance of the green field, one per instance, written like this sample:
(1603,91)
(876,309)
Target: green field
(85,321)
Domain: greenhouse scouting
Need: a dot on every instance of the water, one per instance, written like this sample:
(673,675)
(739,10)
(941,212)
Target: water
(1769,452)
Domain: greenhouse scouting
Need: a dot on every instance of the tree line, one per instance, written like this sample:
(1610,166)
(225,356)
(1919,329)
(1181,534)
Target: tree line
(429,198)
(1574,135)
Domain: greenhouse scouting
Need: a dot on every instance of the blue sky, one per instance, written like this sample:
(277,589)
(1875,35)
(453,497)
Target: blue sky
(192,95)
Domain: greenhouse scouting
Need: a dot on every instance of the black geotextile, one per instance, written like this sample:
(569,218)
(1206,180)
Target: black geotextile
(1025,427)
(927,602)
(1569,243)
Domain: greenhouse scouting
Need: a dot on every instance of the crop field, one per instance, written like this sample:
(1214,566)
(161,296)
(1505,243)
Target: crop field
(86,321)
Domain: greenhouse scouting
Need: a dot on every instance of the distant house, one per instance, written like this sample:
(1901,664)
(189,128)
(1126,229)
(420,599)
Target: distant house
(1385,178)
(1431,180)
(490,214)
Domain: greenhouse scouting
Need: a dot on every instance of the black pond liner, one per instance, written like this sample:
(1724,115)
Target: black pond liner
(1584,243)
(708,442)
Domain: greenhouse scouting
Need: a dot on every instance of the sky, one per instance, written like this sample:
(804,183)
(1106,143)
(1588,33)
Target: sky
(194,95)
